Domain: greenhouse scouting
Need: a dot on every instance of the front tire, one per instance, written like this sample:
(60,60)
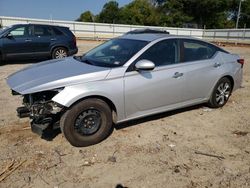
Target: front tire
(87,122)
(221,93)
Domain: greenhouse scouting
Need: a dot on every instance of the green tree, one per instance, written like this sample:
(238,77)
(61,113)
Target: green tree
(110,13)
(139,12)
(245,14)
(172,14)
(158,2)
(86,17)
(212,13)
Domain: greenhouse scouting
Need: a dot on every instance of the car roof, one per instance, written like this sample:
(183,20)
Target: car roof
(38,25)
(152,36)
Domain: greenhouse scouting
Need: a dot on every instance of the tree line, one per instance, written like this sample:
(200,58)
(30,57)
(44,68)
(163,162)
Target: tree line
(174,13)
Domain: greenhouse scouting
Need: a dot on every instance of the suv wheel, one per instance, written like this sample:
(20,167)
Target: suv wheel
(221,93)
(87,123)
(59,52)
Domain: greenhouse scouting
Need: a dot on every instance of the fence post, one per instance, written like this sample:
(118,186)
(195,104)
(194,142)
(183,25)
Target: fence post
(238,35)
(244,32)
(228,32)
(94,31)
(203,31)
(74,28)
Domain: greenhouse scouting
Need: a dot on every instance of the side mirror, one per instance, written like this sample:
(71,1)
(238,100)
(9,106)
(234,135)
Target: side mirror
(144,65)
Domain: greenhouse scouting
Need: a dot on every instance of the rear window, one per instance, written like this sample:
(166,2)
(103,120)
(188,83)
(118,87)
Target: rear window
(192,50)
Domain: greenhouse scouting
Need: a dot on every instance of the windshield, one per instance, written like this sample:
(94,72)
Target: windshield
(2,30)
(113,53)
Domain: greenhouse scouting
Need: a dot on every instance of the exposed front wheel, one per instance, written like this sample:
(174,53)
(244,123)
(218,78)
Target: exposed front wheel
(87,123)
(221,93)
(59,53)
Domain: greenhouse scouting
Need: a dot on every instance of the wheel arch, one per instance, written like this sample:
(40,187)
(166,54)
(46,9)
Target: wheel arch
(103,98)
(58,46)
(224,76)
(230,78)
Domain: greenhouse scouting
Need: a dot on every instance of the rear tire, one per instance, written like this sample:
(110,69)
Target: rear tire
(87,122)
(59,53)
(221,93)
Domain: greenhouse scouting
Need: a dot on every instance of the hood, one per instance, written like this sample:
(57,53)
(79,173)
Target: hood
(54,74)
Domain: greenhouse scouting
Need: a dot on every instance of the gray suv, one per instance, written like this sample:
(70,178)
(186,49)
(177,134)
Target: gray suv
(129,77)
(33,40)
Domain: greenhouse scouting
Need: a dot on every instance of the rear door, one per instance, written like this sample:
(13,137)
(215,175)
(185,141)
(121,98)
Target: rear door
(42,39)
(201,68)
(148,92)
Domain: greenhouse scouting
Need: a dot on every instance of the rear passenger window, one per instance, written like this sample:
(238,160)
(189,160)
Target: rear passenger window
(42,31)
(57,31)
(162,53)
(192,50)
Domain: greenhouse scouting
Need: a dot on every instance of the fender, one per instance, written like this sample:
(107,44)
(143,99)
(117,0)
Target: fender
(111,89)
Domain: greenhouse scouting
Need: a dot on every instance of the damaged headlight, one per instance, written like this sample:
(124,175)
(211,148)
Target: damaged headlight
(40,103)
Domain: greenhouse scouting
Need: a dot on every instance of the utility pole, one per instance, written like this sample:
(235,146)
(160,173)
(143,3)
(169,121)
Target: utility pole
(238,16)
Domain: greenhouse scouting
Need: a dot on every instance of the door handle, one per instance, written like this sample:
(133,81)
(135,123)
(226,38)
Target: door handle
(28,40)
(53,39)
(217,65)
(177,75)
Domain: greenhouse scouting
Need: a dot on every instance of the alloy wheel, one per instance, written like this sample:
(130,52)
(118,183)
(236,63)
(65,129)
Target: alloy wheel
(60,53)
(222,93)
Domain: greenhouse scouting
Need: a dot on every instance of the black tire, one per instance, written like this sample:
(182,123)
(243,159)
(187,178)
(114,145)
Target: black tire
(59,52)
(219,99)
(73,130)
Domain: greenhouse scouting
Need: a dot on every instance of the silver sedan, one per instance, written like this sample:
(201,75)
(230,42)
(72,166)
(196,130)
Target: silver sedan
(129,77)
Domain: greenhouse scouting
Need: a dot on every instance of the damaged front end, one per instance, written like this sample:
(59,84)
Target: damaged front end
(43,112)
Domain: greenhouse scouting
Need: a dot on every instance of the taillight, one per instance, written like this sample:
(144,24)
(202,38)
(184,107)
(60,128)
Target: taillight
(241,61)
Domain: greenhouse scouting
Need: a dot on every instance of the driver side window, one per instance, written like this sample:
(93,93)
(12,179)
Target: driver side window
(162,53)
(19,32)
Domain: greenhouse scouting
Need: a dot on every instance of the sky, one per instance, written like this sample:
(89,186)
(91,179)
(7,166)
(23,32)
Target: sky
(57,9)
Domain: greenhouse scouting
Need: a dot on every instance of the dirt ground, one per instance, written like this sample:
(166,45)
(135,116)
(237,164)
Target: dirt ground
(159,151)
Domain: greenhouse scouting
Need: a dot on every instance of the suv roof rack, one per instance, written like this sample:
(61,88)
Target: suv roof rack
(143,31)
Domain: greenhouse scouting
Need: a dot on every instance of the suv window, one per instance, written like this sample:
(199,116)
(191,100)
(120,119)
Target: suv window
(162,53)
(57,31)
(42,31)
(192,50)
(19,31)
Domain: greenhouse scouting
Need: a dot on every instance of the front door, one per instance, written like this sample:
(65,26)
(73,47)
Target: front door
(18,42)
(148,92)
